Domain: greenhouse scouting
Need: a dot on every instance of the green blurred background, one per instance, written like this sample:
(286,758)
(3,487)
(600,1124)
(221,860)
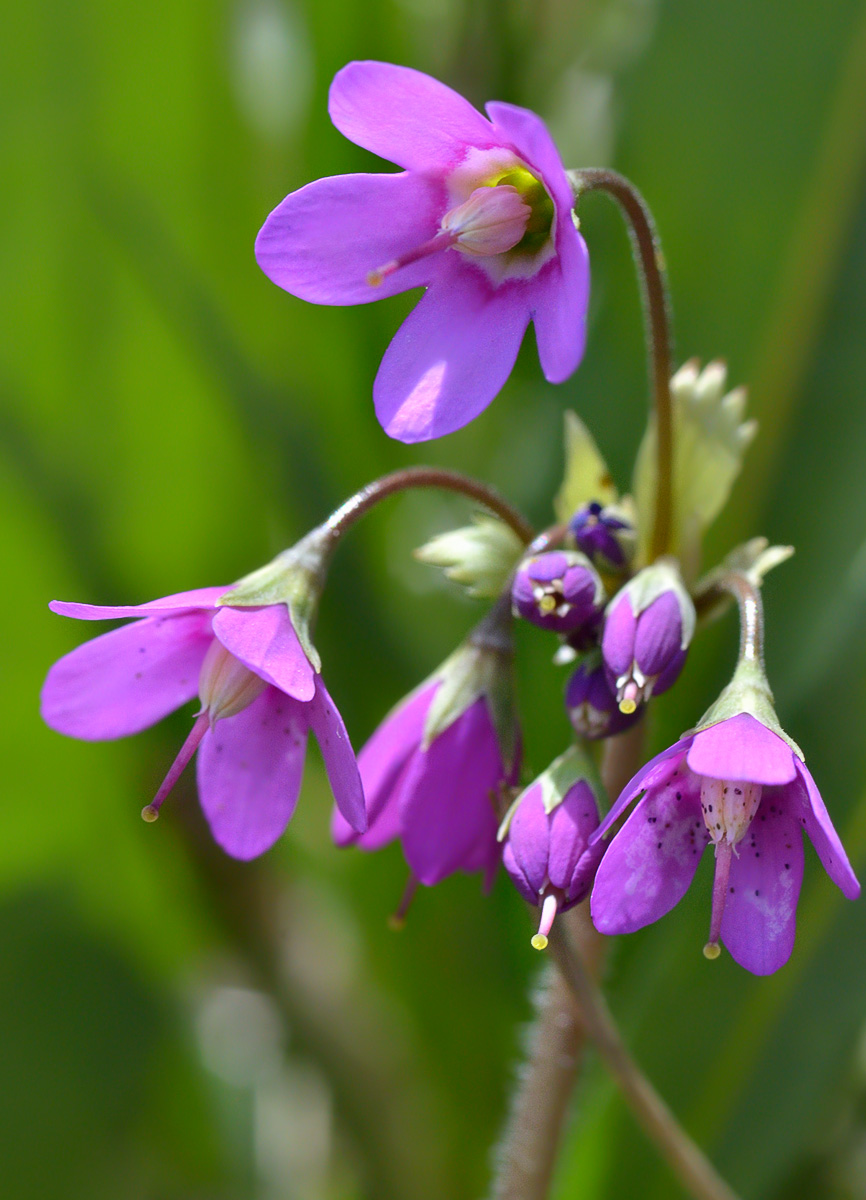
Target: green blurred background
(176,1026)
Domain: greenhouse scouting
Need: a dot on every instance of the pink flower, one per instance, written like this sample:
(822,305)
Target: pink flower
(260,697)
(480,215)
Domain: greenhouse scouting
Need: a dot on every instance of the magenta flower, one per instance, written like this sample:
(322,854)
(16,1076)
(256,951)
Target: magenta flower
(434,770)
(559,590)
(259,693)
(741,786)
(480,215)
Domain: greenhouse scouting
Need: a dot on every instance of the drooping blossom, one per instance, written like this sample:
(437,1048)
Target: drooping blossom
(260,697)
(480,215)
(591,704)
(604,535)
(434,770)
(743,788)
(546,840)
(647,630)
(559,590)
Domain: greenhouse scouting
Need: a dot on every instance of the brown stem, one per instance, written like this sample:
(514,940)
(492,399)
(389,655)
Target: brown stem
(654,293)
(424,477)
(530,1144)
(693,1169)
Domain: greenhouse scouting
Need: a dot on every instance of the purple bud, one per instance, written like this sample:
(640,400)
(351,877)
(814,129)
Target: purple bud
(559,590)
(604,536)
(591,705)
(547,853)
(644,650)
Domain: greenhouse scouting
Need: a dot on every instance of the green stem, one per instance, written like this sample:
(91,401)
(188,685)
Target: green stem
(657,315)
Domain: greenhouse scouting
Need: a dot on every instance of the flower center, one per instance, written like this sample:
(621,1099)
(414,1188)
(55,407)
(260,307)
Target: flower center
(510,212)
(225,686)
(728,807)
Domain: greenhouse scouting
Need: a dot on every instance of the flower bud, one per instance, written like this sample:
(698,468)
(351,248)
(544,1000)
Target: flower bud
(604,535)
(546,838)
(592,707)
(559,590)
(647,630)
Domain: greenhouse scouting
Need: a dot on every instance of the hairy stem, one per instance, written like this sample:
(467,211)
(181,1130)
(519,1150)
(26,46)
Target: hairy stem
(654,294)
(427,477)
(693,1169)
(748,597)
(530,1143)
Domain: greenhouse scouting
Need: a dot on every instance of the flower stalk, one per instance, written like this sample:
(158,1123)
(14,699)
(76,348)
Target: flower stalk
(654,293)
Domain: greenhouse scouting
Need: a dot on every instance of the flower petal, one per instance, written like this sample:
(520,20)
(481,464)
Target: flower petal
(560,300)
(448,818)
(529,839)
(249,773)
(264,640)
(123,681)
(571,823)
(652,860)
(531,138)
(384,756)
(165,606)
(451,355)
(760,911)
(741,747)
(405,116)
(339,757)
(803,801)
(652,774)
(617,640)
(322,241)
(659,634)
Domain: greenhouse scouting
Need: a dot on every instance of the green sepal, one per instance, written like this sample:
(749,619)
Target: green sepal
(586,476)
(557,781)
(480,557)
(483,665)
(653,581)
(295,578)
(748,692)
(710,439)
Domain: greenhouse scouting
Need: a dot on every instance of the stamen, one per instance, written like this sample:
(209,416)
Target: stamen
(724,854)
(538,941)
(202,722)
(397,919)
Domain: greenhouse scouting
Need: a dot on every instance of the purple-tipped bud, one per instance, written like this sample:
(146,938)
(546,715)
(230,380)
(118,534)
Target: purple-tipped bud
(647,630)
(604,535)
(559,590)
(546,840)
(591,704)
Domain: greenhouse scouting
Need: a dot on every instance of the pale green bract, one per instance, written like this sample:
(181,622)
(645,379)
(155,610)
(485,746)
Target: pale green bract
(480,557)
(586,476)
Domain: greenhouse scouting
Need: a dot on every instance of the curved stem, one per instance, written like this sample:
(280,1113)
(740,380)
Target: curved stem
(425,477)
(748,597)
(654,293)
(693,1169)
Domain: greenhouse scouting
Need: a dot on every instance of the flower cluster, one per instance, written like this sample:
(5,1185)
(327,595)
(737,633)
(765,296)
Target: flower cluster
(481,214)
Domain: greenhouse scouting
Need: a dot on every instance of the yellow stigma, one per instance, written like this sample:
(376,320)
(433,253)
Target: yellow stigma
(149,813)
(538,941)
(396,922)
(375,278)
(547,604)
(712,950)
(627,706)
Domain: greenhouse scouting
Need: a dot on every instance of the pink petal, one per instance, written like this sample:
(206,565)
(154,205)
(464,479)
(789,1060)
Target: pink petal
(530,137)
(165,606)
(760,912)
(264,640)
(342,769)
(741,747)
(125,680)
(322,241)
(405,116)
(560,300)
(803,801)
(529,839)
(384,757)
(652,860)
(249,773)
(652,774)
(571,825)
(449,822)
(451,355)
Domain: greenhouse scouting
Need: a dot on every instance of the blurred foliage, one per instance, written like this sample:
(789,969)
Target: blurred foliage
(177,1026)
